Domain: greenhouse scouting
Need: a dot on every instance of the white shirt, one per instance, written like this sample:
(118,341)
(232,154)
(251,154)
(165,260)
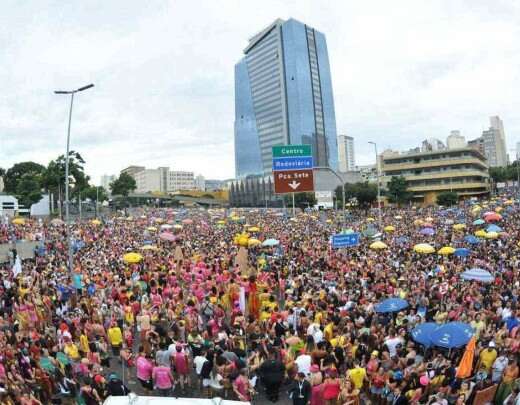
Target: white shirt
(199,362)
(392,344)
(303,361)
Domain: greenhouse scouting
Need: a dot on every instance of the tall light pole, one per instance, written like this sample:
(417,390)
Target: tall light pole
(67,201)
(516,161)
(342,185)
(378,166)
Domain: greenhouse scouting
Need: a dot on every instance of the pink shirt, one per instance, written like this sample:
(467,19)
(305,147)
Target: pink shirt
(144,368)
(161,377)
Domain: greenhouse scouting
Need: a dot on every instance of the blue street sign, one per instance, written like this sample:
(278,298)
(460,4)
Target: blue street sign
(342,240)
(292,163)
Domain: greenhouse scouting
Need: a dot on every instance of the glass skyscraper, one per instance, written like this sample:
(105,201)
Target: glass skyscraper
(283,95)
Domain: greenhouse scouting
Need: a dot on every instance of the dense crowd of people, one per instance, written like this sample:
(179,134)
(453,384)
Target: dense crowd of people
(258,305)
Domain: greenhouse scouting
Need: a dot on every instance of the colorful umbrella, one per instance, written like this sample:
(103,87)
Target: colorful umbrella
(187,221)
(424,248)
(459,227)
(427,231)
(481,233)
(493,228)
(167,236)
(254,229)
(477,274)
(479,221)
(491,235)
(132,258)
(19,221)
(472,240)
(149,247)
(253,242)
(391,305)
(389,228)
(95,222)
(462,252)
(378,245)
(270,242)
(421,333)
(446,250)
(492,217)
(452,335)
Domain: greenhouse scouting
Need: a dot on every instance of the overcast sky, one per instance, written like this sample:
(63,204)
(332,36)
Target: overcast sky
(401,71)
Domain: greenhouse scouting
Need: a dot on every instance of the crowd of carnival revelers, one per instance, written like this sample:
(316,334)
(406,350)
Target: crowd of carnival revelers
(258,305)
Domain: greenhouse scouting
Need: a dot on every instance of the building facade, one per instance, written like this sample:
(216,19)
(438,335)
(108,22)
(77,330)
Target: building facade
(106,180)
(283,95)
(152,180)
(181,180)
(455,140)
(214,185)
(464,171)
(346,157)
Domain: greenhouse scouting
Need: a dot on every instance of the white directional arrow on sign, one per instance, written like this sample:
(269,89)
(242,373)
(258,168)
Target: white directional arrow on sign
(294,185)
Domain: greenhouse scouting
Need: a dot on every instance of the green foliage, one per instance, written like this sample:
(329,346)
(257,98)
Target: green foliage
(2,172)
(504,173)
(94,192)
(123,185)
(362,194)
(398,190)
(54,176)
(447,198)
(28,190)
(301,200)
(14,174)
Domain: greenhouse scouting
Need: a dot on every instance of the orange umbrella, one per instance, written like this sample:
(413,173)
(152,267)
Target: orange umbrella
(466,362)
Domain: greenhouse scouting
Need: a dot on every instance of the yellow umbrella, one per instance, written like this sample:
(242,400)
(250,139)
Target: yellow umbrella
(254,229)
(19,221)
(370,219)
(423,248)
(389,228)
(459,227)
(149,247)
(253,242)
(481,233)
(221,222)
(132,257)
(95,222)
(491,235)
(446,250)
(508,202)
(378,245)
(329,221)
(418,222)
(498,209)
(235,218)
(243,240)
(151,228)
(177,226)
(159,220)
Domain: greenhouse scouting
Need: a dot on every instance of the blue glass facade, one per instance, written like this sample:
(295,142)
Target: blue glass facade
(283,95)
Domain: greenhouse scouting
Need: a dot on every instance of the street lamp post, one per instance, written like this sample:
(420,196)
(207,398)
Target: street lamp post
(67,201)
(342,185)
(378,166)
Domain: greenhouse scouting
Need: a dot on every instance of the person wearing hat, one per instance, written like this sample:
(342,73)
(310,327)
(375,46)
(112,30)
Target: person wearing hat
(487,358)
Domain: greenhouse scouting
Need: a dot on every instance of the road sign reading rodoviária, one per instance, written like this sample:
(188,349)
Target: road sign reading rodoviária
(292,169)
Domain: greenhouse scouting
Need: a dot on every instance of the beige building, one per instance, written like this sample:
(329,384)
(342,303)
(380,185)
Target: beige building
(455,140)
(463,170)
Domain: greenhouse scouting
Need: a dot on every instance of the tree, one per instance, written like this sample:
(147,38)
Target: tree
(366,194)
(28,190)
(301,200)
(14,174)
(2,172)
(95,192)
(447,198)
(123,185)
(398,190)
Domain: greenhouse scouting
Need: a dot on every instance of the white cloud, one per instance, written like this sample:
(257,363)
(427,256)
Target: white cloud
(402,71)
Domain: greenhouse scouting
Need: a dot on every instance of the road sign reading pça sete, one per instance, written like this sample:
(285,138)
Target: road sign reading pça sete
(292,169)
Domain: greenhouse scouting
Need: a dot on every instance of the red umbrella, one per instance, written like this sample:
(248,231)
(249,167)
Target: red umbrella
(492,217)
(170,237)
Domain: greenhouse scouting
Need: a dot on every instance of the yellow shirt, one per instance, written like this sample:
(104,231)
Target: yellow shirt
(328,331)
(83,342)
(357,375)
(487,358)
(71,350)
(115,336)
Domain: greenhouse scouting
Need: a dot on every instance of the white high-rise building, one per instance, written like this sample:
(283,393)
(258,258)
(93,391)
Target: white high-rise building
(500,140)
(200,183)
(152,180)
(432,144)
(346,157)
(105,181)
(455,140)
(517,150)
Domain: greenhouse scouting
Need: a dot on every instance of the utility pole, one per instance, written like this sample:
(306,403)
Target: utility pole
(378,167)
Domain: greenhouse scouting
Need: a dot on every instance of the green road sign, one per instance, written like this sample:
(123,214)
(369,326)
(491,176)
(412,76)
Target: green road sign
(292,151)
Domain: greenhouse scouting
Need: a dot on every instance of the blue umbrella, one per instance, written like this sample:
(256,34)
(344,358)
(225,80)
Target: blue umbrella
(479,222)
(421,333)
(451,335)
(476,274)
(391,305)
(462,252)
(401,239)
(472,240)
(493,228)
(270,242)
(427,231)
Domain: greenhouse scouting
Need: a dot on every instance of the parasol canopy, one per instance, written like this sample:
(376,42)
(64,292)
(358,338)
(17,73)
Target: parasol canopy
(391,305)
(389,228)
(270,242)
(132,257)
(378,245)
(427,231)
(446,250)
(477,274)
(423,248)
(167,236)
(452,335)
(459,227)
(19,221)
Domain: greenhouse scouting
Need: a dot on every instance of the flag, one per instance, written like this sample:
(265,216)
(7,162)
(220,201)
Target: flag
(17,268)
(466,363)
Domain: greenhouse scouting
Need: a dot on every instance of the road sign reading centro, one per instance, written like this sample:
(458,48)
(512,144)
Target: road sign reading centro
(293,181)
(292,169)
(291,150)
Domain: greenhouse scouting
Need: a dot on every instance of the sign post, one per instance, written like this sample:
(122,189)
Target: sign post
(342,240)
(292,170)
